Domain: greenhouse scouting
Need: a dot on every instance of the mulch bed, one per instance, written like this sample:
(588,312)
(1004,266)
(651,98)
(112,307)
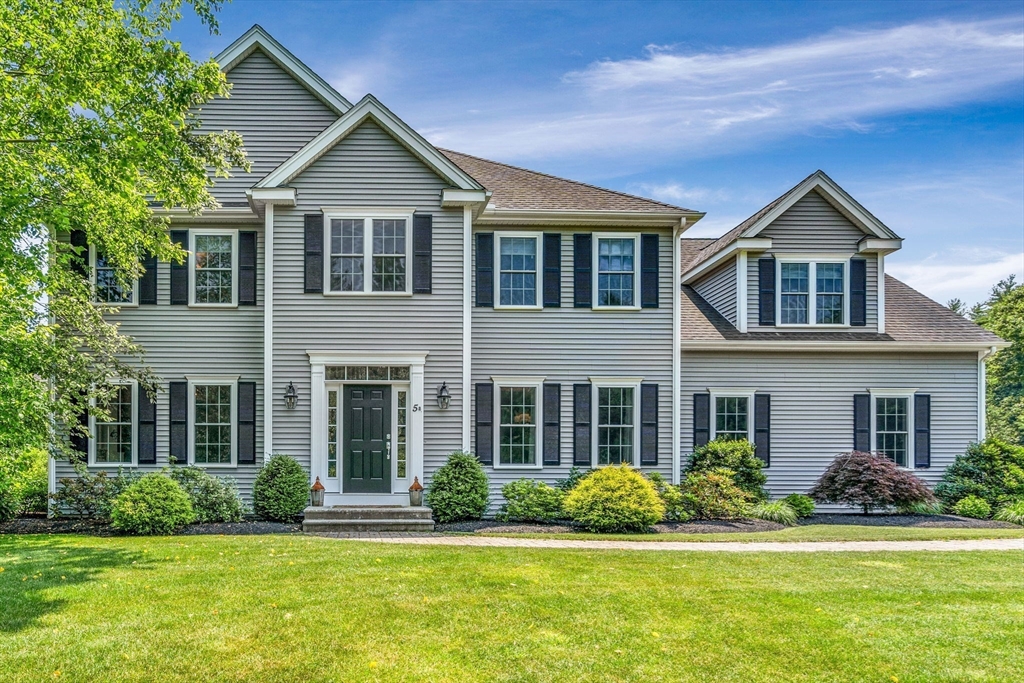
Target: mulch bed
(68,525)
(925,521)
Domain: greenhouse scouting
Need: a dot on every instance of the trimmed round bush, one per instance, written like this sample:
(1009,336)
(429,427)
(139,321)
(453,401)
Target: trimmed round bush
(155,504)
(213,499)
(974,507)
(869,481)
(802,505)
(458,491)
(281,490)
(615,499)
(528,500)
(1011,512)
(735,455)
(776,511)
(714,495)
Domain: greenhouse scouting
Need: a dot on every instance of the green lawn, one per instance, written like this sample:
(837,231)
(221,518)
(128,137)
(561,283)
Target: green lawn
(811,532)
(295,608)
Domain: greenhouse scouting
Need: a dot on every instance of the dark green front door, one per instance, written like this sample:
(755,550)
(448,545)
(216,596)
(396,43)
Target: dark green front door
(367,426)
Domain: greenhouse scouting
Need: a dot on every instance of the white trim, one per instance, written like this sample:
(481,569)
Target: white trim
(369,108)
(676,354)
(134,303)
(212,380)
(537,217)
(757,245)
(597,383)
(812,261)
(538,270)
(880,274)
(741,291)
(875,245)
(93,432)
(467,325)
(595,275)
(471,198)
(537,384)
(272,195)
(268,331)
(396,386)
(907,394)
(257,37)
(837,346)
(192,234)
(983,392)
(726,392)
(367,216)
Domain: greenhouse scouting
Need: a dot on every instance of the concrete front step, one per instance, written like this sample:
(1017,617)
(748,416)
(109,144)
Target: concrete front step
(356,518)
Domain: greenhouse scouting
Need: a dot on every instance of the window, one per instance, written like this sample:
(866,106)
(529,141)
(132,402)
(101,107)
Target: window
(402,442)
(332,433)
(616,418)
(115,438)
(732,418)
(892,420)
(352,268)
(213,267)
(616,271)
(517,270)
(107,289)
(213,419)
(812,293)
(517,405)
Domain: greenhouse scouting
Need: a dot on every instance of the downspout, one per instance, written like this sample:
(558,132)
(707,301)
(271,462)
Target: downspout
(268,330)
(677,280)
(467,322)
(983,391)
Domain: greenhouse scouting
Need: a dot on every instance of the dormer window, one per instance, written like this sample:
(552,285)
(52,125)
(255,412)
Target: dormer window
(813,292)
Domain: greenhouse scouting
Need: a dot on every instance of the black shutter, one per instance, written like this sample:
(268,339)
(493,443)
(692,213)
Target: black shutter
(766,291)
(701,419)
(582,261)
(649,424)
(485,423)
(581,397)
(422,253)
(313,228)
(179,271)
(858,292)
(552,424)
(80,260)
(246,268)
(862,423)
(552,270)
(147,283)
(80,439)
(178,394)
(485,269)
(246,423)
(922,430)
(762,427)
(649,271)
(146,408)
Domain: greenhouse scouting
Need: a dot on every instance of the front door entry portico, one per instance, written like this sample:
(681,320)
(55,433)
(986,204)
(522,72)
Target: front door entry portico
(367,443)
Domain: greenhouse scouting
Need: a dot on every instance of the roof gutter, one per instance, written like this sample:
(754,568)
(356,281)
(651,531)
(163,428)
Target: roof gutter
(842,346)
(663,219)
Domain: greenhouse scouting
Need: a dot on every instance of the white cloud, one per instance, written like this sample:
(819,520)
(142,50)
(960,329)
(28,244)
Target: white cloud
(960,272)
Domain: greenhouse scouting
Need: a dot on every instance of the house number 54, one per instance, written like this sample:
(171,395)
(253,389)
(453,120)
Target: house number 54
(415,407)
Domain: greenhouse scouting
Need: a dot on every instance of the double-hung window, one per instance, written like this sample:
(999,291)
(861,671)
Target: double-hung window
(892,417)
(212,412)
(733,419)
(518,408)
(106,287)
(214,267)
(518,255)
(617,414)
(615,270)
(115,438)
(369,253)
(813,292)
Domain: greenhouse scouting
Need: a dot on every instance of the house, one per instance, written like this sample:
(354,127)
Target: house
(368,303)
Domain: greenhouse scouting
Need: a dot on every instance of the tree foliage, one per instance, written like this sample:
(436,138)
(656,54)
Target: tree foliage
(1003,313)
(869,481)
(98,125)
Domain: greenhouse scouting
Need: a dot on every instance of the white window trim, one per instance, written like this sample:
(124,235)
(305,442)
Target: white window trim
(396,386)
(537,383)
(812,261)
(134,303)
(192,234)
(367,215)
(894,393)
(597,383)
(538,271)
(93,432)
(732,393)
(595,275)
(204,380)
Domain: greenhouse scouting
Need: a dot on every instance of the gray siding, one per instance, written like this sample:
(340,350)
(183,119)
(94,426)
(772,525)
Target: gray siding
(812,403)
(719,290)
(273,112)
(368,169)
(569,345)
(812,226)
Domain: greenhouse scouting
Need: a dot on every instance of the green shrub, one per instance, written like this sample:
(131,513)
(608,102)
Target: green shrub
(90,495)
(528,500)
(1011,512)
(868,481)
(972,506)
(777,511)
(458,490)
(572,480)
(155,504)
(802,505)
(714,495)
(919,508)
(281,490)
(614,499)
(213,499)
(734,455)
(26,474)
(992,470)
(672,498)
(8,504)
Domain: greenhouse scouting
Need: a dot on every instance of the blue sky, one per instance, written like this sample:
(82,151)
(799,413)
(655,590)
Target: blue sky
(916,108)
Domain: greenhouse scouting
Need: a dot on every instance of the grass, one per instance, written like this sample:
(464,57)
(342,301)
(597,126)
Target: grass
(810,532)
(295,608)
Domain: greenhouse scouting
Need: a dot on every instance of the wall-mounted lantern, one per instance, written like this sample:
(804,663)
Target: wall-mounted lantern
(444,397)
(290,396)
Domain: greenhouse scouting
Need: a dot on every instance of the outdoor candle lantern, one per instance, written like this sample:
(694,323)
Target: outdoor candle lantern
(416,493)
(316,493)
(290,396)
(444,397)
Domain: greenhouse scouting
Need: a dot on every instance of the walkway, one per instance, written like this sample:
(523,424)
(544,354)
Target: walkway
(733,546)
